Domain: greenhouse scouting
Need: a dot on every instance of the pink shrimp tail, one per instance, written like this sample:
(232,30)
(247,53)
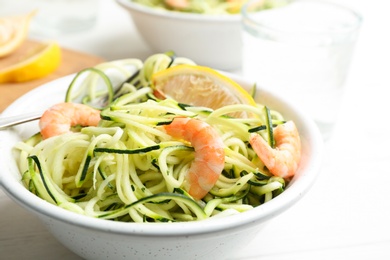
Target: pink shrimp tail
(283,160)
(209,154)
(61,117)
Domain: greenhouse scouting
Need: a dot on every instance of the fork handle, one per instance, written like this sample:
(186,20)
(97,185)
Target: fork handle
(19,119)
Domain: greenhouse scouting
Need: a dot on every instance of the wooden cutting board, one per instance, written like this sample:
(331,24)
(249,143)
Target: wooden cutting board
(72,62)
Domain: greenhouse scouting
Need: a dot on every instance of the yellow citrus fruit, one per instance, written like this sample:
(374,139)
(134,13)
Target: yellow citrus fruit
(39,62)
(13,32)
(199,86)
(234,6)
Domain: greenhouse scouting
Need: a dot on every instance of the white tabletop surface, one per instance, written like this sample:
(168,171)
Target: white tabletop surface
(346,215)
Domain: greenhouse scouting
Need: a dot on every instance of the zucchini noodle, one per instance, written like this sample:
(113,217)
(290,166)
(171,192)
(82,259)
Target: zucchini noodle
(213,7)
(129,169)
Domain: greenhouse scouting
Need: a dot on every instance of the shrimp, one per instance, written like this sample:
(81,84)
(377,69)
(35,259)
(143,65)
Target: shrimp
(209,154)
(59,118)
(177,4)
(282,161)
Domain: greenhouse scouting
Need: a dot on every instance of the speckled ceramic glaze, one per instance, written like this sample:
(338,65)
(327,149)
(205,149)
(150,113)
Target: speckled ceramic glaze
(202,38)
(218,238)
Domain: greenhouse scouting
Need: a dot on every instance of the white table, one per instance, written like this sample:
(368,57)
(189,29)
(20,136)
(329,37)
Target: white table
(346,215)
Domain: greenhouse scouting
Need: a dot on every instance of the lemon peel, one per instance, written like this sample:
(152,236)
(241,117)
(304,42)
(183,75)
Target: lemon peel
(40,62)
(13,32)
(200,86)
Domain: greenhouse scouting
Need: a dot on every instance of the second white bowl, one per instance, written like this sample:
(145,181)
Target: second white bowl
(210,40)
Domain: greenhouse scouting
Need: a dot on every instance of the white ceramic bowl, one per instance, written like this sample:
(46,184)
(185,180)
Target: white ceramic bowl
(210,40)
(103,239)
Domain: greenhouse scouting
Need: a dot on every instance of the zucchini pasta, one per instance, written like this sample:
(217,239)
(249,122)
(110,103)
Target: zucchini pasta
(213,7)
(134,165)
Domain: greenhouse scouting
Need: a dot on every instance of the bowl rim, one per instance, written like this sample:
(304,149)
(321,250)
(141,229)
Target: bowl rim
(296,189)
(139,8)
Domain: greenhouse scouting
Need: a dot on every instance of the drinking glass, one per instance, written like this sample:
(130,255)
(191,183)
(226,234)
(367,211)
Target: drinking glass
(301,49)
(65,16)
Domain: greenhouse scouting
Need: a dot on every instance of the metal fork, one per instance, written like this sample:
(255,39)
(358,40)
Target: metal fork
(6,122)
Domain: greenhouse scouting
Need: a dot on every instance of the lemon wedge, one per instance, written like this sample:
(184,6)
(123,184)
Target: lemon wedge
(199,86)
(13,32)
(39,62)
(234,6)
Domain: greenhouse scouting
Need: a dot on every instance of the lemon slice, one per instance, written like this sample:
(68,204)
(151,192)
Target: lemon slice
(13,32)
(199,86)
(234,6)
(41,61)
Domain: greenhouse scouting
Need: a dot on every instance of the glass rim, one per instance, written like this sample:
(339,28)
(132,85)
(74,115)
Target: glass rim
(248,21)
